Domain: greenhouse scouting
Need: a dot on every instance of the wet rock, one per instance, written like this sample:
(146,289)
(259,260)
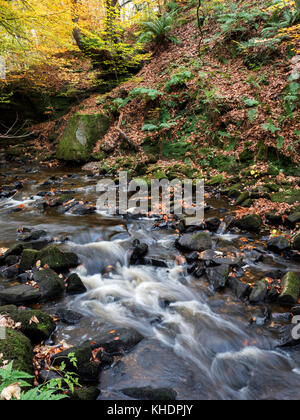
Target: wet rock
(286,336)
(9,272)
(278,244)
(75,285)
(48,375)
(254,255)
(191,258)
(32,236)
(37,245)
(57,260)
(155,262)
(49,283)
(213,224)
(35,324)
(260,317)
(87,370)
(18,295)
(295,310)
(17,348)
(77,208)
(290,284)
(28,259)
(240,289)
(293,220)
(194,242)
(154,366)
(250,223)
(218,276)
(69,317)
(138,253)
(149,393)
(259,292)
(122,339)
(85,394)
(296,241)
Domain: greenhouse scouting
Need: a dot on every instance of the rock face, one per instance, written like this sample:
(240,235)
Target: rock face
(81,135)
(197,242)
(35,325)
(17,348)
(290,289)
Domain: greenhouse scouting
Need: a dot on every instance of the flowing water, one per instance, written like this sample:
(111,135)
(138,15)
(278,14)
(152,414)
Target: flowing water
(201,342)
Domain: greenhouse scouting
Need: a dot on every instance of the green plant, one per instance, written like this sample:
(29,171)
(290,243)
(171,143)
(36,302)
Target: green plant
(158,29)
(291,99)
(179,80)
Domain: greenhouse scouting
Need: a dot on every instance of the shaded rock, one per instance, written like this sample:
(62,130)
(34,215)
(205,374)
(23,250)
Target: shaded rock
(218,276)
(122,339)
(274,219)
(69,317)
(33,236)
(17,348)
(286,336)
(296,241)
(290,284)
(15,250)
(28,259)
(35,331)
(75,285)
(11,260)
(259,292)
(194,242)
(213,224)
(49,283)
(17,295)
(10,272)
(293,220)
(278,244)
(155,262)
(149,393)
(240,289)
(86,370)
(250,223)
(85,394)
(57,260)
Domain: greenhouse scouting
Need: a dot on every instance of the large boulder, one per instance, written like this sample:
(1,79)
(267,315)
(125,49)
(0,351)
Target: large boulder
(35,324)
(81,135)
(278,244)
(75,285)
(195,242)
(117,340)
(57,260)
(17,348)
(49,283)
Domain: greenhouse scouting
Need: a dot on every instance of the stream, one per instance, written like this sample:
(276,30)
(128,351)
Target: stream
(198,342)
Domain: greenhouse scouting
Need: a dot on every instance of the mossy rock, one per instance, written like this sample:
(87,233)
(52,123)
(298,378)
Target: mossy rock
(242,197)
(250,223)
(56,259)
(224,163)
(290,289)
(195,242)
(17,348)
(36,332)
(28,259)
(289,197)
(247,156)
(85,394)
(176,150)
(81,135)
(49,283)
(217,180)
(296,241)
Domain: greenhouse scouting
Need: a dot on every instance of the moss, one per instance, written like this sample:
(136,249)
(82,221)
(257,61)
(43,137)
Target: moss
(28,258)
(224,163)
(81,135)
(242,197)
(17,348)
(57,260)
(290,288)
(289,197)
(217,180)
(36,332)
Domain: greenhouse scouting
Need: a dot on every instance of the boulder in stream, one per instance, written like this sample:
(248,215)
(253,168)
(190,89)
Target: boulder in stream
(57,260)
(194,242)
(28,259)
(296,241)
(290,284)
(117,340)
(259,292)
(218,276)
(20,295)
(17,348)
(278,244)
(49,283)
(75,285)
(251,223)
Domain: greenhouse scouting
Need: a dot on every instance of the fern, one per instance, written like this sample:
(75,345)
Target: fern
(158,29)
